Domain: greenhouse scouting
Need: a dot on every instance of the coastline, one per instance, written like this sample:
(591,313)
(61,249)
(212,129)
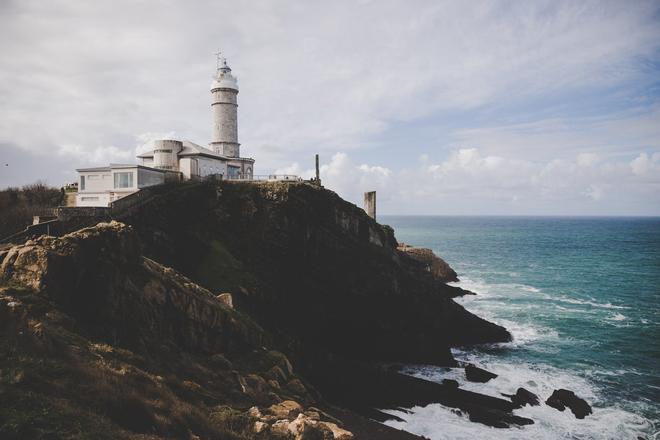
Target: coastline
(518,292)
(278,308)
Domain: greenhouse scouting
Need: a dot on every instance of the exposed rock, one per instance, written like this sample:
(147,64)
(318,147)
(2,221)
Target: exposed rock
(306,428)
(221,362)
(226,299)
(296,386)
(98,276)
(476,374)
(288,421)
(285,410)
(293,255)
(303,253)
(523,397)
(257,388)
(280,429)
(260,427)
(276,373)
(324,414)
(438,268)
(561,398)
(154,353)
(497,418)
(373,387)
(450,383)
(337,432)
(313,415)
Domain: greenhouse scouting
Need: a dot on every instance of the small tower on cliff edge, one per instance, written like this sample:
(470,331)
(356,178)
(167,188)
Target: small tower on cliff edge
(224,105)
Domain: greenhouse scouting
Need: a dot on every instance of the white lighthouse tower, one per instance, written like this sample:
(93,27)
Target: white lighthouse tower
(224,105)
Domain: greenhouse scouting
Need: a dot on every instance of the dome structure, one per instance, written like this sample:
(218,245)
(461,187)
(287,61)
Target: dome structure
(223,77)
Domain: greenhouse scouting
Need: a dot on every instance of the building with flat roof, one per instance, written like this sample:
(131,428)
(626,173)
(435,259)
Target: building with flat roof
(99,186)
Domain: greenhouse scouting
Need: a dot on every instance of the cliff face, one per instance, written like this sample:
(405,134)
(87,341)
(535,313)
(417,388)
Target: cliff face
(98,341)
(315,270)
(119,329)
(99,276)
(435,265)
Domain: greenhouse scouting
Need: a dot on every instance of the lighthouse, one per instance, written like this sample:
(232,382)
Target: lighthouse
(224,106)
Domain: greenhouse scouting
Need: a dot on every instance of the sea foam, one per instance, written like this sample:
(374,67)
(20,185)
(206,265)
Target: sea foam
(437,422)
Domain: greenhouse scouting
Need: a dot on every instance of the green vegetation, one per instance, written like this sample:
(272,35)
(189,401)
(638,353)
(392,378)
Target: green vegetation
(220,271)
(56,383)
(18,205)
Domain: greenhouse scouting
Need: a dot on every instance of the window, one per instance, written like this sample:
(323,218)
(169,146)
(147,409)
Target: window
(82,183)
(124,180)
(233,172)
(90,199)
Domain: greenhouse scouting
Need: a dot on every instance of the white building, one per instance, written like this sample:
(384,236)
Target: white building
(102,185)
(223,155)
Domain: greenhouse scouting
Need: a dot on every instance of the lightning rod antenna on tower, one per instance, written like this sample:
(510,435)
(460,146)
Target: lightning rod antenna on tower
(218,57)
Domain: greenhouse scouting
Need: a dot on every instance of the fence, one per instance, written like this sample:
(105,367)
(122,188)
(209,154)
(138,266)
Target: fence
(83,215)
(266,178)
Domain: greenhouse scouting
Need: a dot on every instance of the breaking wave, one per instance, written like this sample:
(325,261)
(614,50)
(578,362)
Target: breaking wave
(497,302)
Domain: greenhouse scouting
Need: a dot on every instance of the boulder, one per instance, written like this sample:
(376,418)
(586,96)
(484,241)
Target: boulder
(296,387)
(285,410)
(260,427)
(226,299)
(524,397)
(302,427)
(496,418)
(561,398)
(476,374)
(450,383)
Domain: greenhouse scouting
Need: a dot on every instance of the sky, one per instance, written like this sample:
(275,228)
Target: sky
(442,107)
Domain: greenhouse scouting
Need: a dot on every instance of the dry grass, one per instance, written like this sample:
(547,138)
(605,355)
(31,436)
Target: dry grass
(71,388)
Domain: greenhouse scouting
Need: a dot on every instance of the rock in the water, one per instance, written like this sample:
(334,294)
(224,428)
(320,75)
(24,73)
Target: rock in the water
(496,418)
(450,383)
(524,397)
(562,398)
(476,374)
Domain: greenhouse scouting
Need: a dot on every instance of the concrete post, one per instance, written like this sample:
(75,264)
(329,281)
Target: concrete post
(370,204)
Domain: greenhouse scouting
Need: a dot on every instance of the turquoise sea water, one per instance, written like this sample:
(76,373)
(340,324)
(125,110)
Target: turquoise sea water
(581,297)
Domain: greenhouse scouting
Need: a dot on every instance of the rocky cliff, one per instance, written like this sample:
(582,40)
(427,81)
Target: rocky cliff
(314,268)
(119,330)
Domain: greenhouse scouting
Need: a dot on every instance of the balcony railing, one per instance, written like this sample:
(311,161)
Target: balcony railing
(266,177)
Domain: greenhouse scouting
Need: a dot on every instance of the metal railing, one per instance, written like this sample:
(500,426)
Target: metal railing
(266,178)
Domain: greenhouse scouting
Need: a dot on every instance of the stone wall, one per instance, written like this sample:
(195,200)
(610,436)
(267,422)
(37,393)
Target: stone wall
(65,213)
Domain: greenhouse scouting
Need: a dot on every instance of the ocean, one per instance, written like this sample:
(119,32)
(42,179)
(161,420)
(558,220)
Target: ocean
(581,297)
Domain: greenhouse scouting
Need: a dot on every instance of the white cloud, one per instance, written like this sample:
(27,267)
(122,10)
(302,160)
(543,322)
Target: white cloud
(96,82)
(587,159)
(642,164)
(592,138)
(347,178)
(467,181)
(98,155)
